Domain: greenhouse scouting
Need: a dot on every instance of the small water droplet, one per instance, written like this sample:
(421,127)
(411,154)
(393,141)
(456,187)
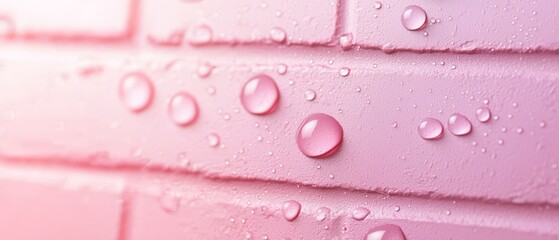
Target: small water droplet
(514,104)
(260,95)
(360,213)
(278,35)
(500,141)
(136,91)
(430,128)
(310,95)
(377,5)
(213,139)
(170,201)
(204,70)
(282,69)
(199,35)
(385,232)
(396,208)
(319,135)
(459,125)
(543,124)
(447,212)
(519,130)
(483,114)
(322,213)
(291,210)
(344,72)
(183,109)
(414,18)
(394,124)
(346,41)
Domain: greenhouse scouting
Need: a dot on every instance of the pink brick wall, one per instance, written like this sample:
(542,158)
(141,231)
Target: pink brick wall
(76,163)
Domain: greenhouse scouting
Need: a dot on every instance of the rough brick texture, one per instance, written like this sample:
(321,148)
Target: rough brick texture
(75,163)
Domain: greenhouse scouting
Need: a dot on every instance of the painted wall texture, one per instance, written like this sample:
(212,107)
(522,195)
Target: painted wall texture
(279,119)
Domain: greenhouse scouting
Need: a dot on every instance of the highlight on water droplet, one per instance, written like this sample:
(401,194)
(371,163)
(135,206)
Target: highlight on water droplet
(136,91)
(260,95)
(459,125)
(430,128)
(360,213)
(278,35)
(291,210)
(414,18)
(385,232)
(346,41)
(483,114)
(183,109)
(199,35)
(322,213)
(319,135)
(213,139)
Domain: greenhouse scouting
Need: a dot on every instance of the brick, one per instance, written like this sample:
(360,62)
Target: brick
(218,209)
(472,26)
(40,204)
(232,22)
(67,19)
(375,155)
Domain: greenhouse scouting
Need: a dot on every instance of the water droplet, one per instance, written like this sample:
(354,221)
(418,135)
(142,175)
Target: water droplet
(344,72)
(199,35)
(260,95)
(278,35)
(447,212)
(500,141)
(459,125)
(394,124)
(430,128)
(385,232)
(543,124)
(414,18)
(319,135)
(519,130)
(377,5)
(282,69)
(213,139)
(183,109)
(310,95)
(204,70)
(360,213)
(346,41)
(322,213)
(396,208)
(291,210)
(514,104)
(483,114)
(136,91)
(170,201)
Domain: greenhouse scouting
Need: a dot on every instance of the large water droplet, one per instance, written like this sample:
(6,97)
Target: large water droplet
(199,35)
(385,232)
(360,213)
(319,135)
(459,125)
(414,18)
(136,91)
(278,35)
(430,128)
(260,95)
(291,210)
(483,114)
(183,109)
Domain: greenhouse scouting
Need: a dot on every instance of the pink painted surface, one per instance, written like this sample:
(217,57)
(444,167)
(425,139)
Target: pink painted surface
(85,154)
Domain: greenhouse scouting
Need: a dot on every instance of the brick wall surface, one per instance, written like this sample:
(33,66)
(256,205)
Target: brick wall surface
(76,163)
